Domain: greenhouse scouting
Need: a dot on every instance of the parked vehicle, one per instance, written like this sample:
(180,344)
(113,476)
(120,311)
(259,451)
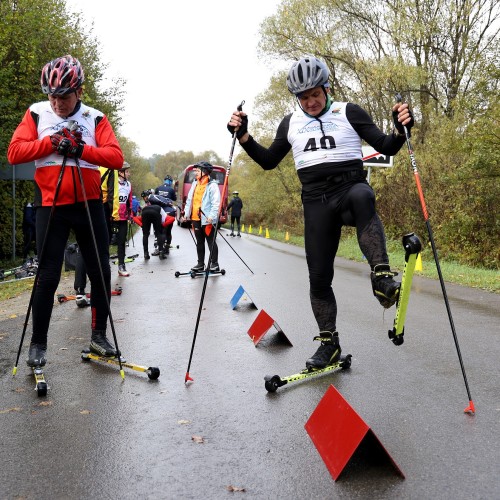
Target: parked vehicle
(183,185)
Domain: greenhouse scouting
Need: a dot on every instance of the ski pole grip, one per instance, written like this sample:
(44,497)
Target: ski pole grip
(240,106)
(399,98)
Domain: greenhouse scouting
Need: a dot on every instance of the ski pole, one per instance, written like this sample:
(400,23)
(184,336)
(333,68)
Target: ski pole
(224,190)
(103,283)
(470,409)
(40,260)
(232,248)
(191,233)
(131,233)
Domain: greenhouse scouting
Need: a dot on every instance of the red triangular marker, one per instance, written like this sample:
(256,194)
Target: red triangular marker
(338,431)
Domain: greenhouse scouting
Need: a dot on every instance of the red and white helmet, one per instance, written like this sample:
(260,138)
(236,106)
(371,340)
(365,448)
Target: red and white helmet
(62,76)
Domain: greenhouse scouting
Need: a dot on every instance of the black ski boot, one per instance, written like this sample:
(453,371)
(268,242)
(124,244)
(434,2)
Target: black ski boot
(384,287)
(146,256)
(199,268)
(99,344)
(328,352)
(36,355)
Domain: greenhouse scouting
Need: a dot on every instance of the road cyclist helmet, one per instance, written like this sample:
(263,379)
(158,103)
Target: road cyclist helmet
(307,73)
(62,76)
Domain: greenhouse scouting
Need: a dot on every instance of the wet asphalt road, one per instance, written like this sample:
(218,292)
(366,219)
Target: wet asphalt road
(96,436)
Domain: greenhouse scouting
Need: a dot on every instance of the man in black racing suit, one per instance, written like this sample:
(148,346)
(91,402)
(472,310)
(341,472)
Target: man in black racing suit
(325,139)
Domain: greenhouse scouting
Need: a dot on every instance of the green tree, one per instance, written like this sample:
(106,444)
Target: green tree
(31,34)
(444,58)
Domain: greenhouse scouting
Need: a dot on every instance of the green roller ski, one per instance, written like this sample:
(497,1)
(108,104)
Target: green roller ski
(413,247)
(274,382)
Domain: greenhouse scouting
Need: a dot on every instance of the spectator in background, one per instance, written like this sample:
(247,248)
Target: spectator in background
(29,229)
(136,206)
(235,205)
(167,188)
(122,211)
(202,209)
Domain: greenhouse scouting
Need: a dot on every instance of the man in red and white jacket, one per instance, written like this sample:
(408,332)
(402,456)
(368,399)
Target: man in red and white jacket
(57,134)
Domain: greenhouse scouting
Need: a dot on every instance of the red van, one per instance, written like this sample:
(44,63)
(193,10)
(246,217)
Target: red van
(183,185)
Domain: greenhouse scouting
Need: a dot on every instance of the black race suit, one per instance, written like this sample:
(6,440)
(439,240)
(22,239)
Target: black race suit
(327,154)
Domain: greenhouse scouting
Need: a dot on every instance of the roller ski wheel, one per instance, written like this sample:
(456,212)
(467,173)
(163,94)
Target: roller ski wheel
(273,382)
(153,372)
(179,273)
(41,385)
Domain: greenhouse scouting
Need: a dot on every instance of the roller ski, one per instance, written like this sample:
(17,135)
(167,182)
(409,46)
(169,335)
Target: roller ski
(115,256)
(326,359)
(413,247)
(129,259)
(196,274)
(26,270)
(212,270)
(41,385)
(152,372)
(200,270)
(84,300)
(273,382)
(36,361)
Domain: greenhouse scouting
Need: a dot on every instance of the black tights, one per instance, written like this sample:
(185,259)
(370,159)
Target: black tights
(352,205)
(151,216)
(65,218)
(201,237)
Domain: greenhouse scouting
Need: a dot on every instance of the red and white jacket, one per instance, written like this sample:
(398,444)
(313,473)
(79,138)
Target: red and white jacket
(31,142)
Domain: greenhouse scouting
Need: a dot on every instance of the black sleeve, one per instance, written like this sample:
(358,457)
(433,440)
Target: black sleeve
(269,158)
(363,124)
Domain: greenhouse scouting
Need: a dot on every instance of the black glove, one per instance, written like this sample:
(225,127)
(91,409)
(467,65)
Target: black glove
(399,126)
(243,129)
(70,149)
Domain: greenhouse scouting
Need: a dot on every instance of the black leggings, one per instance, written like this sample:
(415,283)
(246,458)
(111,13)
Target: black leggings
(201,237)
(151,216)
(352,205)
(121,240)
(65,218)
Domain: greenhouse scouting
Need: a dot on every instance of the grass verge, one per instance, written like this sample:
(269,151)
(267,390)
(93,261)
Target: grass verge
(453,272)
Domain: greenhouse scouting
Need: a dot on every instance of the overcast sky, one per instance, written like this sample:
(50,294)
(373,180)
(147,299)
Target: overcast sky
(188,64)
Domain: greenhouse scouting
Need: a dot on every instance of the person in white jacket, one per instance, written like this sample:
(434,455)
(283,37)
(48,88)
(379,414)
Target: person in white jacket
(202,209)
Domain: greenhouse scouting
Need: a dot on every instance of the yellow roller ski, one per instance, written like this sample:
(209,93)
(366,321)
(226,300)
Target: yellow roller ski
(413,247)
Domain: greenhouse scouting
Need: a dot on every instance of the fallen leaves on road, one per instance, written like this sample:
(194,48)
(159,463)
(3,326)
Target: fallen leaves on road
(183,422)
(10,410)
(198,439)
(234,488)
(85,412)
(45,403)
